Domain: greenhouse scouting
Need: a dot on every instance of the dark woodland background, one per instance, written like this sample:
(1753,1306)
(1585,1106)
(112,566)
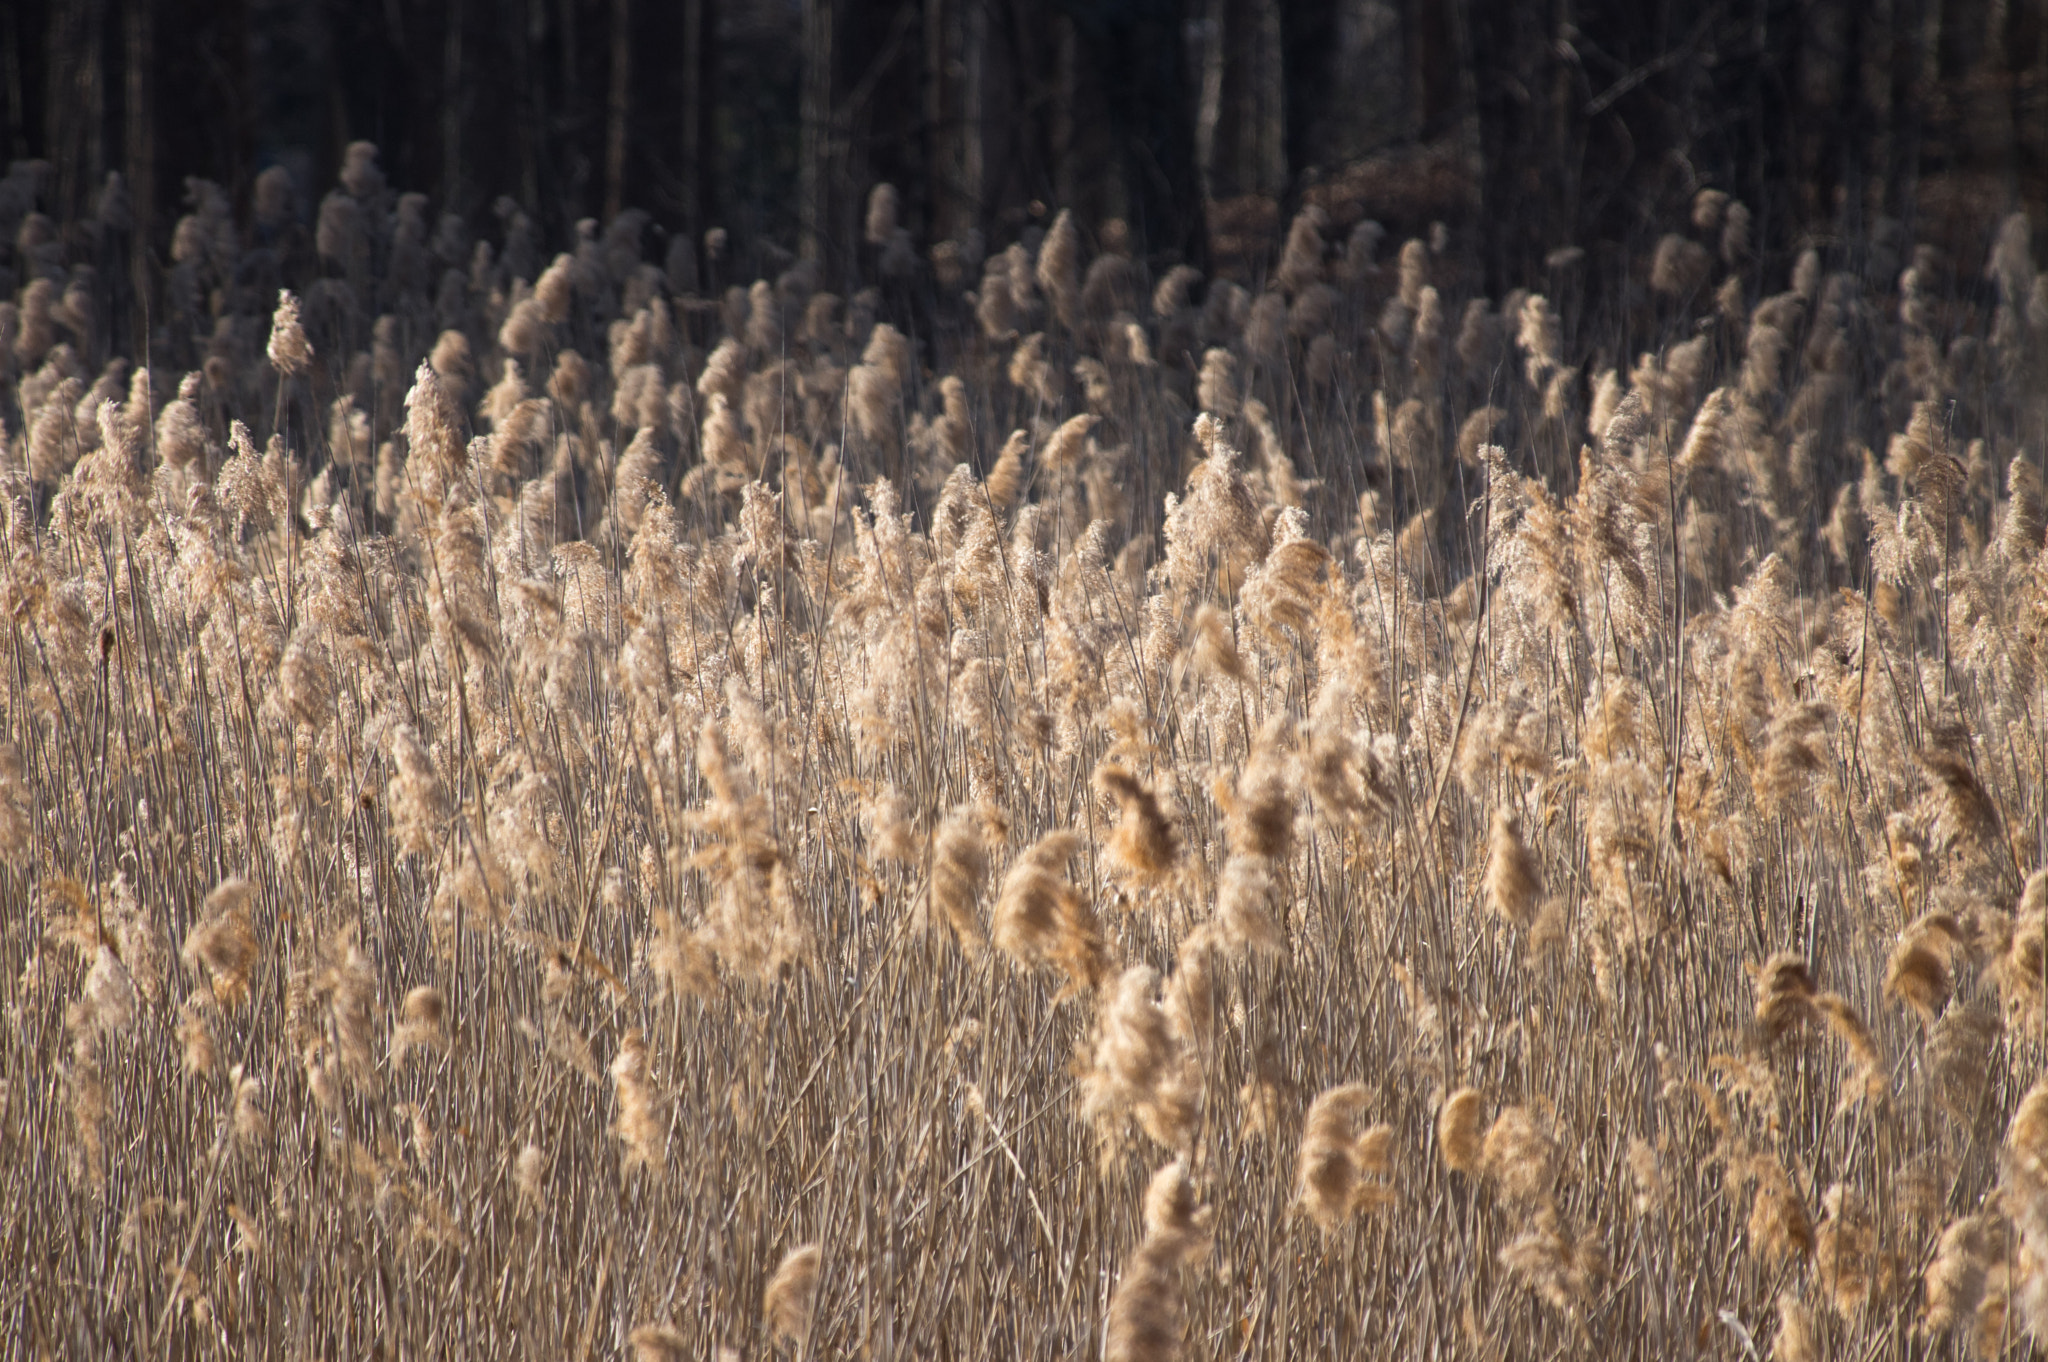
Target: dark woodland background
(1201,124)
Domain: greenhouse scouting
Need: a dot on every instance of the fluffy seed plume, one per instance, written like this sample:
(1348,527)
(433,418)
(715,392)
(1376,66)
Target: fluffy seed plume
(223,944)
(1041,919)
(1460,1130)
(1147,1311)
(290,353)
(1340,1169)
(791,1295)
(959,868)
(1514,879)
(1144,849)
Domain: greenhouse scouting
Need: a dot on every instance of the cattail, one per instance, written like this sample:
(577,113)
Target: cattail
(289,351)
(1955,1279)
(1170,295)
(1561,1267)
(1679,266)
(1460,1136)
(658,1343)
(223,942)
(1006,478)
(1216,389)
(1259,814)
(251,1122)
(1147,1314)
(1646,1171)
(1968,815)
(1140,1069)
(1341,1170)
(348,990)
(1866,1077)
(529,1174)
(1068,443)
(882,214)
(1514,879)
(420,1024)
(959,868)
(1519,1153)
(1917,974)
(787,1304)
(638,1123)
(1301,259)
(1215,650)
(1144,848)
(1784,995)
(1244,905)
(1040,919)
(417,799)
(553,291)
(1779,1228)
(1847,1257)
(195,1037)
(995,306)
(1059,268)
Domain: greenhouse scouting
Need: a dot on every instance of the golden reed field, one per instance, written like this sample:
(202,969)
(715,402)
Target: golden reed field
(581,809)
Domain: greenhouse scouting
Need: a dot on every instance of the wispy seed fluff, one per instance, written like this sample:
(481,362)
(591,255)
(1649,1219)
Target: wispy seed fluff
(1460,1130)
(1040,919)
(223,944)
(1784,995)
(1147,1311)
(290,353)
(658,1343)
(959,868)
(1342,1170)
(638,1123)
(1144,849)
(1514,879)
(1059,268)
(420,1024)
(792,1294)
(1140,1070)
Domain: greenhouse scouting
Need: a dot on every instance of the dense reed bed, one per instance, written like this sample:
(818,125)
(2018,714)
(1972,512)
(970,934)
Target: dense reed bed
(560,808)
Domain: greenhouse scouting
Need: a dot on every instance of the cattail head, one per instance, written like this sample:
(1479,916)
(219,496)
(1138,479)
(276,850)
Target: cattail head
(1520,1153)
(420,1024)
(959,867)
(658,1343)
(883,210)
(1040,919)
(1059,268)
(1147,1313)
(251,1122)
(1068,443)
(792,1292)
(1340,1169)
(638,1123)
(1514,878)
(1955,1279)
(1140,1069)
(1245,896)
(1968,816)
(1562,1267)
(290,353)
(224,944)
(1779,1227)
(1784,994)
(1460,1130)
(195,1035)
(1845,1023)
(1144,848)
(1917,973)
(1215,649)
